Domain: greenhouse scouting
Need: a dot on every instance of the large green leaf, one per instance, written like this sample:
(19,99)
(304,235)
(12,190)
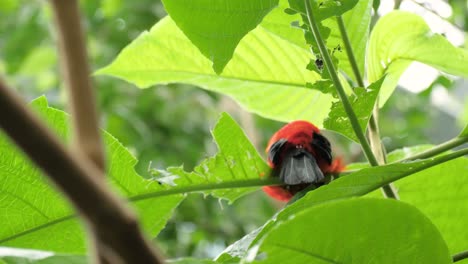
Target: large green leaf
(355,184)
(34,215)
(356,231)
(217,26)
(440,193)
(362,101)
(399,38)
(356,21)
(266,75)
(364,181)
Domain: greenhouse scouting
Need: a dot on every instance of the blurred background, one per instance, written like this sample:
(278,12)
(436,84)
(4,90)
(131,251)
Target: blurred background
(170,125)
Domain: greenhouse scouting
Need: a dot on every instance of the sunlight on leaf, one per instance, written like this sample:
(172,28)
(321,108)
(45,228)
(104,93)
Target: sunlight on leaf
(217,26)
(266,75)
(399,38)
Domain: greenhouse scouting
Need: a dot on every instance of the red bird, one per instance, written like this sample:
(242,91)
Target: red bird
(300,156)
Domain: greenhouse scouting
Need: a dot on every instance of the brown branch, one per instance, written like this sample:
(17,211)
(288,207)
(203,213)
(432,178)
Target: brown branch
(75,70)
(80,180)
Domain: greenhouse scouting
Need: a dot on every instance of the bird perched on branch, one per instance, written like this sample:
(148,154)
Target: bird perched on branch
(300,156)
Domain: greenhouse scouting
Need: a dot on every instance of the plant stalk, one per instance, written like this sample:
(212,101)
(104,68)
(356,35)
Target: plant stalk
(373,132)
(344,99)
(448,145)
(460,256)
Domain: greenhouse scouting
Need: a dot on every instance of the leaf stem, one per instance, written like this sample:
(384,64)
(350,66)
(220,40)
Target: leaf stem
(349,51)
(460,256)
(209,186)
(344,99)
(448,145)
(373,132)
(273,180)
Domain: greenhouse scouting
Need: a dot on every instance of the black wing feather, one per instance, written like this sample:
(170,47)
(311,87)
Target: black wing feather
(322,147)
(275,150)
(299,166)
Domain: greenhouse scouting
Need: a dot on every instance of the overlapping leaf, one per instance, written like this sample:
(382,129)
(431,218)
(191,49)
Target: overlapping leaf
(361,183)
(217,26)
(399,38)
(338,232)
(266,75)
(362,102)
(440,193)
(34,215)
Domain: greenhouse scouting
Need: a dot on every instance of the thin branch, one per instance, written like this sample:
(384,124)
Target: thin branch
(80,180)
(344,99)
(75,70)
(460,256)
(349,51)
(373,132)
(448,145)
(210,186)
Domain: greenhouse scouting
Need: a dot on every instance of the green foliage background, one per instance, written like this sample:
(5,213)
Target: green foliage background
(169,125)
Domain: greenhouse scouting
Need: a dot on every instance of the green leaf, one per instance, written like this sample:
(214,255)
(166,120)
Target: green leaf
(394,45)
(266,75)
(440,193)
(217,26)
(355,184)
(464,133)
(237,160)
(279,23)
(356,21)
(323,9)
(34,215)
(363,182)
(362,102)
(27,256)
(356,231)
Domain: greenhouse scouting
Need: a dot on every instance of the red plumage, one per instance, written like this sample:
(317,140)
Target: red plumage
(300,156)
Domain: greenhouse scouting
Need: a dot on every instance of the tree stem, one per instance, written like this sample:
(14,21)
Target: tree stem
(75,70)
(344,99)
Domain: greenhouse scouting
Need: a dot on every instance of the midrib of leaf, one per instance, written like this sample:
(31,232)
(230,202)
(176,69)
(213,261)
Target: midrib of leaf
(284,246)
(153,195)
(216,78)
(39,227)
